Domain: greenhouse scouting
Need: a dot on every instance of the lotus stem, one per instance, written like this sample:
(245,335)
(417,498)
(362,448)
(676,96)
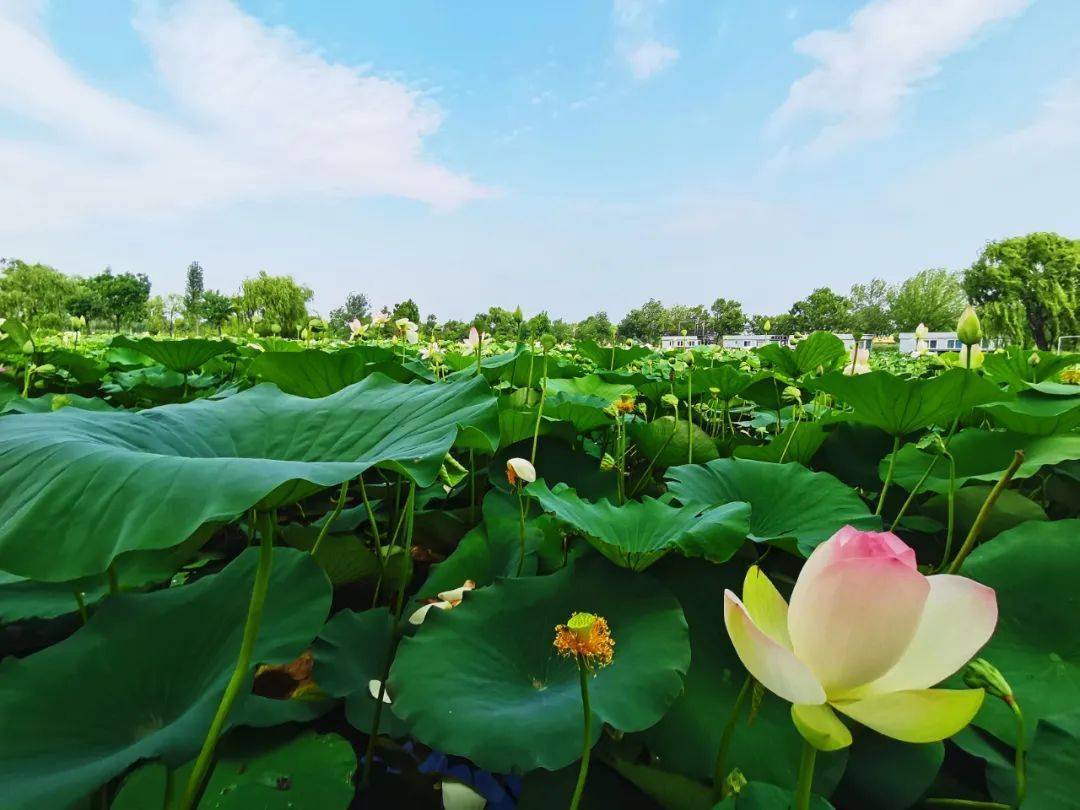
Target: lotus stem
(951,501)
(1020,749)
(170,788)
(586,745)
(521,530)
(914,492)
(81,604)
(472,486)
(888,475)
(984,512)
(690,416)
(719,790)
(114,582)
(967,803)
(342,495)
(539,408)
(410,506)
(806,777)
(197,781)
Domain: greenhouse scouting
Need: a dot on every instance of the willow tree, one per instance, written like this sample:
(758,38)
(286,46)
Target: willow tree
(1028,288)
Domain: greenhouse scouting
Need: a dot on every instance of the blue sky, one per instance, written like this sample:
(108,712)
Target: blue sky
(567,156)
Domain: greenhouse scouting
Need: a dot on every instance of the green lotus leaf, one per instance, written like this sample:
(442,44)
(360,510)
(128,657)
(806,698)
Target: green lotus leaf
(588,388)
(184,355)
(1053,389)
(316,373)
(557,461)
(1034,569)
(611,357)
(726,377)
(22,598)
(900,406)
(982,455)
(279,771)
(1036,414)
(1013,366)
(350,652)
(48,403)
(763,796)
(822,350)
(77,489)
(687,738)
(666,442)
(638,533)
(143,678)
(84,370)
(887,774)
(797,442)
(1011,509)
(1053,778)
(484,681)
(789,505)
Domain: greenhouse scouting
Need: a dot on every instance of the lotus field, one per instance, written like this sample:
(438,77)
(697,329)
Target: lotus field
(374,572)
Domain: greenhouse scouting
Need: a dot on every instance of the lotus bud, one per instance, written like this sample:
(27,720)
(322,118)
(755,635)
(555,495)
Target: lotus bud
(643,408)
(303,334)
(683,333)
(968,328)
(60,401)
(28,347)
(607,463)
(921,332)
(767,326)
(518,316)
(275,328)
(670,400)
(1034,359)
(981,674)
(932,442)
(547,341)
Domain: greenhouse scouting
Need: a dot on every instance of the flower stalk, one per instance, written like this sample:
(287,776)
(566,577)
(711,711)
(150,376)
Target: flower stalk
(806,777)
(984,511)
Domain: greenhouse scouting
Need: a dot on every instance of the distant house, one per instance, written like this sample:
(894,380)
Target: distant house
(865,342)
(936,342)
(679,341)
(752,341)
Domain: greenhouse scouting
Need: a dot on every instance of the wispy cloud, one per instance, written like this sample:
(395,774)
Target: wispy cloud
(636,38)
(866,70)
(262,116)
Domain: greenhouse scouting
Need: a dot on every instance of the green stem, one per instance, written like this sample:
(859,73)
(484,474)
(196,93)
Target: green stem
(170,788)
(539,409)
(951,502)
(888,475)
(371,516)
(521,531)
(794,429)
(984,512)
(914,492)
(410,506)
(114,582)
(1021,770)
(197,781)
(806,777)
(81,603)
(689,416)
(342,495)
(586,746)
(719,790)
(472,486)
(967,803)
(26,380)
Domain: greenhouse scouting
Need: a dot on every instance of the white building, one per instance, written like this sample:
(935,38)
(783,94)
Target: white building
(865,342)
(679,341)
(752,341)
(936,342)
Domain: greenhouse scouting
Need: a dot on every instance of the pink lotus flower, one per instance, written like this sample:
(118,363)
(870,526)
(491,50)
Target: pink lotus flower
(866,634)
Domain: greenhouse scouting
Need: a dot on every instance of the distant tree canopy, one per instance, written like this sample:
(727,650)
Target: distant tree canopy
(278,300)
(36,294)
(1028,288)
(595,327)
(193,291)
(216,309)
(406,309)
(727,317)
(120,299)
(933,297)
(356,306)
(870,310)
(822,309)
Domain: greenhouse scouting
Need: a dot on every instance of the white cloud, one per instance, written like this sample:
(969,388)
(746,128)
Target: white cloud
(261,116)
(636,40)
(865,71)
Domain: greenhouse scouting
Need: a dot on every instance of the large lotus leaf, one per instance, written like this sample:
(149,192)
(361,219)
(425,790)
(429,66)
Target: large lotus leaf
(611,357)
(687,738)
(1014,367)
(822,350)
(1054,389)
(77,489)
(142,679)
(638,533)
(787,501)
(350,652)
(1011,509)
(176,355)
(82,369)
(589,388)
(900,406)
(887,774)
(763,796)
(728,381)
(557,461)
(484,681)
(316,373)
(799,441)
(1053,778)
(279,771)
(53,402)
(22,598)
(1034,569)
(982,455)
(666,442)
(1036,414)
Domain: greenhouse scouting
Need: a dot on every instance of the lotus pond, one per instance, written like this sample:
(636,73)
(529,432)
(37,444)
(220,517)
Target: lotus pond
(327,574)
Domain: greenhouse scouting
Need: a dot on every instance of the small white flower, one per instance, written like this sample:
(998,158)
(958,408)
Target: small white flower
(519,469)
(447,600)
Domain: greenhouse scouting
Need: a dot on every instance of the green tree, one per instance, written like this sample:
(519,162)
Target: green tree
(453,330)
(35,294)
(121,299)
(406,309)
(156,322)
(933,297)
(500,323)
(870,307)
(83,302)
(646,323)
(356,306)
(562,331)
(538,325)
(596,327)
(278,300)
(693,319)
(216,309)
(822,310)
(727,317)
(1028,288)
(193,294)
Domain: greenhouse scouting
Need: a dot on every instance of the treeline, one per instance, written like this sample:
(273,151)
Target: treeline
(1027,289)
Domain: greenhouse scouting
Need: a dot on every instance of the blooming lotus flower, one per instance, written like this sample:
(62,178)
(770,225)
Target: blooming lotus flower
(447,600)
(866,634)
(356,328)
(379,319)
(432,351)
(860,364)
(921,332)
(921,348)
(473,341)
(519,469)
